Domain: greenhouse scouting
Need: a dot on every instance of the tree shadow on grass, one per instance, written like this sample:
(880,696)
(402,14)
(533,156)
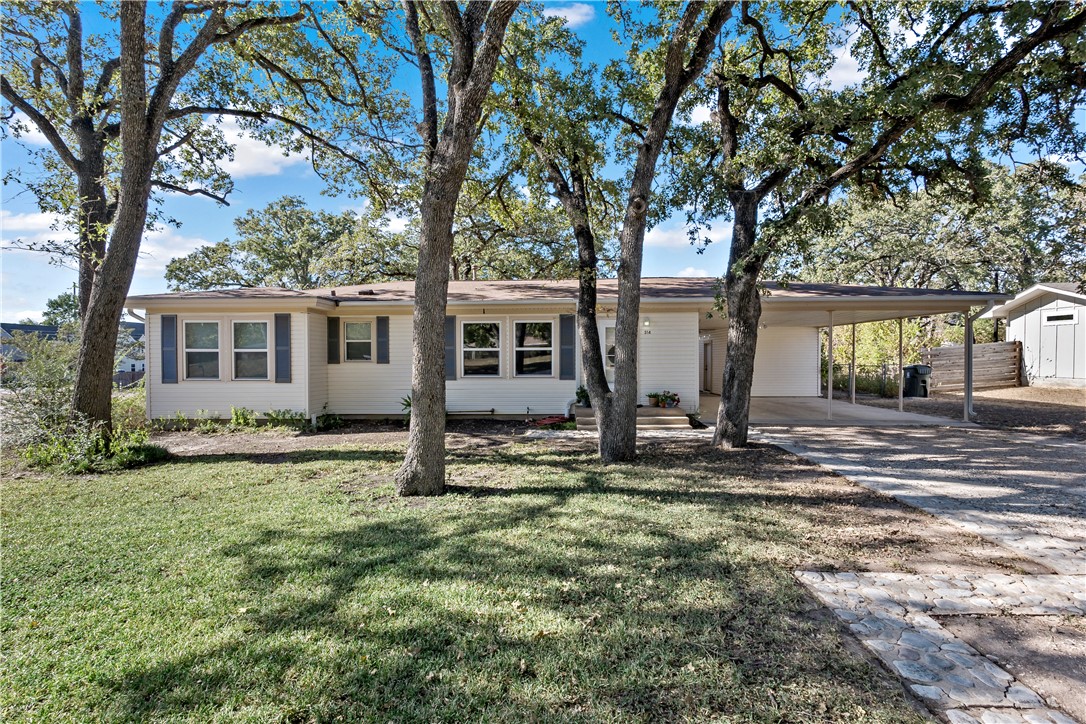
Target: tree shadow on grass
(600,595)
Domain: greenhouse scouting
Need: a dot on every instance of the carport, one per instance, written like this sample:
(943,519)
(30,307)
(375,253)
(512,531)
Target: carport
(827,306)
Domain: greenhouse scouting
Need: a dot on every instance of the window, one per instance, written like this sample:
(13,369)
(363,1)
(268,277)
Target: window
(202,350)
(358,340)
(1062,316)
(250,350)
(481,351)
(533,349)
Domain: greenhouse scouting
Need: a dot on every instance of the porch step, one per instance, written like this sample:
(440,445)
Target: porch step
(648,418)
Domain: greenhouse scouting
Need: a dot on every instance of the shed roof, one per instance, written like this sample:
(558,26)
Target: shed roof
(1064,289)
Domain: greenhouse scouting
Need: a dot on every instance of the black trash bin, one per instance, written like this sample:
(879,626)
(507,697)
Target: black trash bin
(916,380)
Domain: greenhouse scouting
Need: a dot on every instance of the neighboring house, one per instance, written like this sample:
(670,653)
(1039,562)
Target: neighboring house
(510,346)
(1050,322)
(10,352)
(130,367)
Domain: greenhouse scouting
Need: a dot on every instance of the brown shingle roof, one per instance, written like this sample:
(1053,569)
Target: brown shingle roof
(562,290)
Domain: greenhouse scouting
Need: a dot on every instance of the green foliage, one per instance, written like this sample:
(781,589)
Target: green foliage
(1030,228)
(61,310)
(81,447)
(405,405)
(286,418)
(285,244)
(242,418)
(39,378)
(327,421)
(583,398)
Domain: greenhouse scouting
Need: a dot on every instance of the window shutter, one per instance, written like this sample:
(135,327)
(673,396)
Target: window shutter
(567,346)
(333,340)
(282,348)
(450,347)
(382,341)
(169,349)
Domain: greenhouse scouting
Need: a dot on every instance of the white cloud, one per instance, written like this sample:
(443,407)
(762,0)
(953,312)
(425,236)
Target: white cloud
(253,157)
(160,246)
(29,228)
(15,316)
(396,224)
(701,114)
(30,134)
(575,14)
(846,69)
(692,272)
(667,236)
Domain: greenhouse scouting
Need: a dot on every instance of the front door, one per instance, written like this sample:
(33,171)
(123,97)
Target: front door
(707,365)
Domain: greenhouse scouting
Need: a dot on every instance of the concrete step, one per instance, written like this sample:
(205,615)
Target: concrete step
(648,418)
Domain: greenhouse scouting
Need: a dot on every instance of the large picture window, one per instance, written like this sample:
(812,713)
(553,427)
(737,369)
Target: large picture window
(202,350)
(533,349)
(358,341)
(250,350)
(481,349)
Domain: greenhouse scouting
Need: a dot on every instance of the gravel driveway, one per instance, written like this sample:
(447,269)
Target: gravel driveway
(1024,492)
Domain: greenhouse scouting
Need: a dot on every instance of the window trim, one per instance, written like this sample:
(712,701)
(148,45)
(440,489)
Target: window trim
(553,347)
(372,321)
(234,350)
(1073,311)
(498,349)
(185,349)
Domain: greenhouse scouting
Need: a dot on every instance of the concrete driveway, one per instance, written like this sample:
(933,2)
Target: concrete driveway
(1021,491)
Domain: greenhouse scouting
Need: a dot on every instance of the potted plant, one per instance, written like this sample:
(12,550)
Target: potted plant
(669,399)
(583,398)
(654,399)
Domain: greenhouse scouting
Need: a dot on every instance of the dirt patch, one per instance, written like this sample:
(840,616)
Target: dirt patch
(1047,653)
(461,435)
(1039,410)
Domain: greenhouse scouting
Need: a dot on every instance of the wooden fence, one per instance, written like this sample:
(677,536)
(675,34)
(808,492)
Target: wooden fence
(997,364)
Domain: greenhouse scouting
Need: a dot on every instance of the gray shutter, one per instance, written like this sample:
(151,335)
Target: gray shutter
(567,346)
(450,347)
(169,349)
(382,340)
(282,348)
(333,340)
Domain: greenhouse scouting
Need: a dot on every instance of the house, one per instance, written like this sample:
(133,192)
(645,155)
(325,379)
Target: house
(130,366)
(510,346)
(1050,322)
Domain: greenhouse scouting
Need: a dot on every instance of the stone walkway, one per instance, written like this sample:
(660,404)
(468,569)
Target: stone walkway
(1025,493)
(891,614)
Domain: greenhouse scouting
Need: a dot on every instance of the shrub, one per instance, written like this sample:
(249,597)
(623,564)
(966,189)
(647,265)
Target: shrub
(242,418)
(286,418)
(81,447)
(327,421)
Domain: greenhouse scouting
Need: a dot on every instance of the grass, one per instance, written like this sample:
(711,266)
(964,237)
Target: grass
(543,587)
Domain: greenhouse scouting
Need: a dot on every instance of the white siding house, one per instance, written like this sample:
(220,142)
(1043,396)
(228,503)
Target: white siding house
(1050,322)
(510,346)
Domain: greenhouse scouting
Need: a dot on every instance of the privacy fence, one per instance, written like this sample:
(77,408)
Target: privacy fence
(996,364)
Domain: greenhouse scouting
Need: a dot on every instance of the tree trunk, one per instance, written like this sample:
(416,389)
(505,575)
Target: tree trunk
(139,139)
(744,314)
(469,80)
(423,469)
(94,220)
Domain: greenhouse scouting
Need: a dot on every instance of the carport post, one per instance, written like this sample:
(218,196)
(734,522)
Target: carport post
(829,370)
(852,369)
(968,404)
(900,365)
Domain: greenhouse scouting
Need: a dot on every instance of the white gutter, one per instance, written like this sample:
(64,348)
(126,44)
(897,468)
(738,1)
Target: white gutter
(135,316)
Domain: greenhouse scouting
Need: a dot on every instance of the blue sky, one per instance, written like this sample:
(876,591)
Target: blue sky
(261,175)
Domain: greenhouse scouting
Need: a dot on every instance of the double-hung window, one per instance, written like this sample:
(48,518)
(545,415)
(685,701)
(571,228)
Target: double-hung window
(201,350)
(250,350)
(481,349)
(533,349)
(358,341)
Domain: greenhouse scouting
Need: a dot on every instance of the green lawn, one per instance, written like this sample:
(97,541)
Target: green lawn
(543,587)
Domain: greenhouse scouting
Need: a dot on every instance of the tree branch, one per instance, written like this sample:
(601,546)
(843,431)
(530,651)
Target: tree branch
(189,192)
(43,124)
